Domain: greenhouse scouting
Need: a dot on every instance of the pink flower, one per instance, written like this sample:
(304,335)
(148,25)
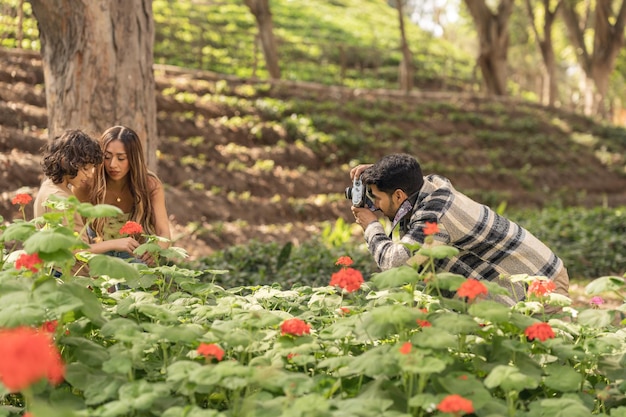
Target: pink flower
(596,301)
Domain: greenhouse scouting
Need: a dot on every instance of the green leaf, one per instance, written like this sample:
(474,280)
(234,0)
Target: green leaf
(455,323)
(509,378)
(19,231)
(491,310)
(439,252)
(396,277)
(435,338)
(113,267)
(562,378)
(101,210)
(91,306)
(86,351)
(605,284)
(560,407)
(53,242)
(596,318)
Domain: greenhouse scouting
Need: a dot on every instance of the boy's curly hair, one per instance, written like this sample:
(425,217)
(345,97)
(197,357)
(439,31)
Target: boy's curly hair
(68,153)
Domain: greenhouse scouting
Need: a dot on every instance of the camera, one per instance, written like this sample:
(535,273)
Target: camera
(358,194)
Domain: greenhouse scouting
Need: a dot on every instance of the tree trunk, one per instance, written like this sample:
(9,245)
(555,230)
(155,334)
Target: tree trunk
(608,39)
(97,62)
(261,11)
(493,35)
(546,47)
(20,24)
(406,66)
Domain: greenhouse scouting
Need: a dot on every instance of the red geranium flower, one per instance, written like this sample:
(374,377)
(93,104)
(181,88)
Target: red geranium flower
(294,327)
(471,289)
(344,310)
(455,404)
(344,261)
(29,261)
(212,349)
(131,228)
(431,228)
(348,278)
(50,326)
(22,199)
(540,287)
(26,356)
(541,331)
(423,323)
(406,347)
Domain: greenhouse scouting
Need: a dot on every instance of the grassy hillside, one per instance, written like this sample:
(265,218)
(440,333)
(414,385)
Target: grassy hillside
(340,42)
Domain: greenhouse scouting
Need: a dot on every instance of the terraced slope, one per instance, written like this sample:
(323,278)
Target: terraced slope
(245,159)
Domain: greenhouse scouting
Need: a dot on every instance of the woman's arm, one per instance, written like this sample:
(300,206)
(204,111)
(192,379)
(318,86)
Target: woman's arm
(161,225)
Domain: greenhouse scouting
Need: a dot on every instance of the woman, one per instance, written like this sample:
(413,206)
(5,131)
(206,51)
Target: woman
(124,181)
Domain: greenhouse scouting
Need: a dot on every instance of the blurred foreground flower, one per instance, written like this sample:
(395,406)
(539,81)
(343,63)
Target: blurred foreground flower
(29,261)
(455,404)
(431,228)
(295,327)
(26,356)
(212,349)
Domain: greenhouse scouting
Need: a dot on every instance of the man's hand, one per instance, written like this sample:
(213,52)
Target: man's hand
(364,216)
(358,170)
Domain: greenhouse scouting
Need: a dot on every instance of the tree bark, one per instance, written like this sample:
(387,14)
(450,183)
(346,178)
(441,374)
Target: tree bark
(406,66)
(546,47)
(97,59)
(493,35)
(608,39)
(263,15)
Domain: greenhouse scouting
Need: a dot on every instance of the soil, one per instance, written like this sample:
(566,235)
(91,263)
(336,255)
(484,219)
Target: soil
(217,193)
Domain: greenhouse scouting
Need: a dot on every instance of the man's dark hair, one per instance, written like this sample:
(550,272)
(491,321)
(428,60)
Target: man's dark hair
(68,153)
(395,171)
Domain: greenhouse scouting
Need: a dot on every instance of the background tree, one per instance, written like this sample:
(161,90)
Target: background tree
(97,60)
(263,15)
(597,60)
(549,11)
(406,65)
(493,37)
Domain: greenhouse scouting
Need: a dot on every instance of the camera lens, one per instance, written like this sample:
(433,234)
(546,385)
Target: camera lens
(348,193)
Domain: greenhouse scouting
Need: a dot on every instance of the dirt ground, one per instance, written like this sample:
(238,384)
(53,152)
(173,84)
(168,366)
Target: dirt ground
(212,204)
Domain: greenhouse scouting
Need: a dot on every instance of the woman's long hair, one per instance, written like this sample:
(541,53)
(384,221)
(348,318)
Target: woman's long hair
(142,211)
